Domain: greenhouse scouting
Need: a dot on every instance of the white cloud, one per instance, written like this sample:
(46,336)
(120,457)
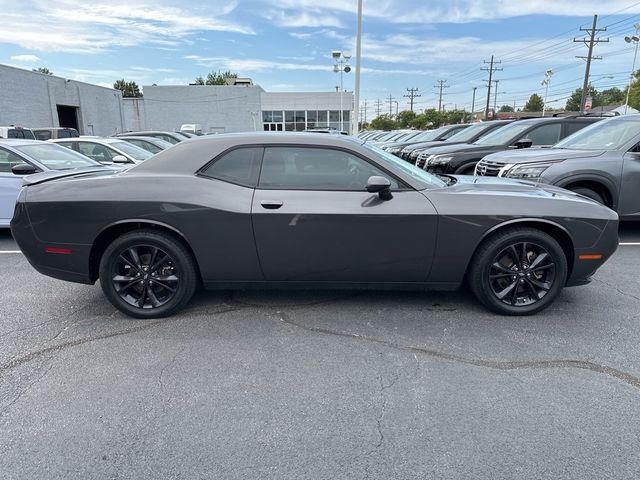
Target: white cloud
(306,18)
(25,58)
(457,11)
(92,27)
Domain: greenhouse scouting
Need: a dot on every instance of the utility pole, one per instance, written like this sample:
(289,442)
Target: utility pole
(441,85)
(411,95)
(390,105)
(491,69)
(378,103)
(473,101)
(365,111)
(590,42)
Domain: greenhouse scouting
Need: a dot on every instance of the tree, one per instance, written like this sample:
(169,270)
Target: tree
(44,70)
(506,108)
(383,122)
(611,96)
(634,92)
(456,116)
(129,89)
(535,104)
(405,118)
(216,78)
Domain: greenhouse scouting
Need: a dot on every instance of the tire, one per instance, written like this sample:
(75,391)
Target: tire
(538,279)
(128,274)
(587,192)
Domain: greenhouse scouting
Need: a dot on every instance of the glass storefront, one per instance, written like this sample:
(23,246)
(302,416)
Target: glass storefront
(299,120)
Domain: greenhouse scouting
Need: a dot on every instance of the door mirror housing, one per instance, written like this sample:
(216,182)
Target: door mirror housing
(381,186)
(523,143)
(24,169)
(120,159)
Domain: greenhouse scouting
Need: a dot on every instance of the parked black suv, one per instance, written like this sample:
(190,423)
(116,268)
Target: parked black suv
(539,132)
(435,136)
(468,135)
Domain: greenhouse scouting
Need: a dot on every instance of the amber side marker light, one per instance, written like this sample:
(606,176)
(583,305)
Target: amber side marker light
(63,251)
(590,257)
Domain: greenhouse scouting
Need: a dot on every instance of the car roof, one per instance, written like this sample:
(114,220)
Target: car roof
(16,142)
(139,137)
(198,151)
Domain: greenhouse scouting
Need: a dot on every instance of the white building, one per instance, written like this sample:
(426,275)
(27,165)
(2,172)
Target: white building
(34,99)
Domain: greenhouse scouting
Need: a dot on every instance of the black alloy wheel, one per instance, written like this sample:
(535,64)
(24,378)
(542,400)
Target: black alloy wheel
(518,271)
(148,274)
(145,276)
(522,274)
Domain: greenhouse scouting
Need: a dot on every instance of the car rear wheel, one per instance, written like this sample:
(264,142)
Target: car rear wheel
(519,271)
(587,192)
(148,274)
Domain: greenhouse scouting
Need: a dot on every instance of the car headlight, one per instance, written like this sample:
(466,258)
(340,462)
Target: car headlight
(438,159)
(394,150)
(527,171)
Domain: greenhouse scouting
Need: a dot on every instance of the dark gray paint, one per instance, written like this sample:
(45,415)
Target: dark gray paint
(422,238)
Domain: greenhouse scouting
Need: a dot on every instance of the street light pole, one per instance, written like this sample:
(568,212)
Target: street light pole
(358,44)
(341,65)
(547,80)
(633,39)
(473,102)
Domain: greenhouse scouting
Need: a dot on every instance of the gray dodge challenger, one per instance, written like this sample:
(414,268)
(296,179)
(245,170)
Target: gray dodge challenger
(297,210)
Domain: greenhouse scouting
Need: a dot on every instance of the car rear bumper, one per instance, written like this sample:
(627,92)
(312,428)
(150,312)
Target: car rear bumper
(587,260)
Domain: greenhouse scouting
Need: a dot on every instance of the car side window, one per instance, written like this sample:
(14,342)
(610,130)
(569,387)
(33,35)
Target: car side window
(8,160)
(96,152)
(545,134)
(43,135)
(573,127)
(307,168)
(635,148)
(240,166)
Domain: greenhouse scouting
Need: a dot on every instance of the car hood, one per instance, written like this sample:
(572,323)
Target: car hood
(463,148)
(510,187)
(531,155)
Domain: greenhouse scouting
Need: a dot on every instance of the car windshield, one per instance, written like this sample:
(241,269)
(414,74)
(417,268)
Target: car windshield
(132,150)
(604,135)
(388,159)
(428,135)
(55,157)
(468,133)
(504,135)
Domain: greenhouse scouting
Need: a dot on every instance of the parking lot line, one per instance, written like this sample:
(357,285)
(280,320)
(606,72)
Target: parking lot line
(629,244)
(10,251)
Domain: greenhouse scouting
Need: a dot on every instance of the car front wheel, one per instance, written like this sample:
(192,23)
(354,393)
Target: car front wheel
(519,271)
(147,274)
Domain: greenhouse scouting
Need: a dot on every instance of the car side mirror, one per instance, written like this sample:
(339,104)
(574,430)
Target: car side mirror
(23,169)
(523,143)
(120,159)
(381,186)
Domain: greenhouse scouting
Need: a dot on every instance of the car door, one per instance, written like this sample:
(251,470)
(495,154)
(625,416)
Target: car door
(10,185)
(629,202)
(314,221)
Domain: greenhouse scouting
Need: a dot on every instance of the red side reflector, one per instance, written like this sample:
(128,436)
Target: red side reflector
(590,257)
(63,251)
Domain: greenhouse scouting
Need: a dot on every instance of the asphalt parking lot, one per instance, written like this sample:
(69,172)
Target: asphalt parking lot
(295,385)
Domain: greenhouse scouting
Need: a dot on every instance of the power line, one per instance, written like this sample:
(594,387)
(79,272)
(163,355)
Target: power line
(490,69)
(411,95)
(441,85)
(592,41)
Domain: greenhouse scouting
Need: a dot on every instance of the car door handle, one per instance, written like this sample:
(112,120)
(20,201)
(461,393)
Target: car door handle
(271,204)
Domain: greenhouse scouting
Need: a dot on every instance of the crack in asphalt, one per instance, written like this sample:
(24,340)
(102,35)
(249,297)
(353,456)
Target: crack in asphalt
(24,390)
(477,362)
(621,292)
(29,356)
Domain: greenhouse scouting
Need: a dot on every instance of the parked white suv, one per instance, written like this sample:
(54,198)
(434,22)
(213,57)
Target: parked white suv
(16,132)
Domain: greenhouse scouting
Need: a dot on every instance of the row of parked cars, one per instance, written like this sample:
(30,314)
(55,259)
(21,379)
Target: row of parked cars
(594,156)
(26,151)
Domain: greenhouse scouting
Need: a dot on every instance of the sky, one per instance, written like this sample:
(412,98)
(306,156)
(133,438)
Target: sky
(286,45)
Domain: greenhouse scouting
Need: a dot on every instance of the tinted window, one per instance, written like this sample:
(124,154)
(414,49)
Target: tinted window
(545,134)
(451,132)
(150,147)
(96,152)
(42,134)
(573,127)
(240,166)
(8,160)
(167,138)
(504,135)
(67,133)
(303,168)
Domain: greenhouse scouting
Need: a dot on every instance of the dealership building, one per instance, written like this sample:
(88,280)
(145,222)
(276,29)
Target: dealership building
(32,99)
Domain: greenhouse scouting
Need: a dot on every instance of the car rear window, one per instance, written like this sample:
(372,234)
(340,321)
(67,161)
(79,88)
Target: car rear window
(20,133)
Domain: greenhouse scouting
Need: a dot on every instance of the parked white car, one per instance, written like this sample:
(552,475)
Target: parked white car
(106,150)
(16,132)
